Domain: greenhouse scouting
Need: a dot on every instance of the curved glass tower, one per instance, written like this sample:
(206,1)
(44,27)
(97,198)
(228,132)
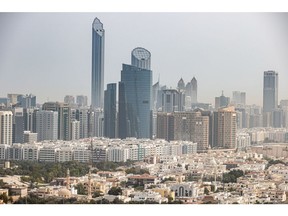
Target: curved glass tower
(141,58)
(98,36)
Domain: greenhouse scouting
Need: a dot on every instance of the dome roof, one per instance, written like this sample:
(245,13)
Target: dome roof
(64,192)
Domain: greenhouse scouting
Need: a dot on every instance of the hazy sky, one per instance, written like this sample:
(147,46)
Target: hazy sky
(49,54)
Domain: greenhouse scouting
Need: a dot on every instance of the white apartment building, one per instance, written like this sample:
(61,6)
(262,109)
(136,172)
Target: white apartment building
(6,123)
(75,130)
(81,154)
(118,154)
(64,154)
(31,152)
(47,154)
(15,152)
(4,151)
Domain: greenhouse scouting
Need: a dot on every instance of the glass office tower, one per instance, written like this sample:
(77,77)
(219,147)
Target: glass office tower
(98,36)
(135,93)
(270,91)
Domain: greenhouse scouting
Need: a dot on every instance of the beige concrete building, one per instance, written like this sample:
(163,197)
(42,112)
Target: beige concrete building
(226,128)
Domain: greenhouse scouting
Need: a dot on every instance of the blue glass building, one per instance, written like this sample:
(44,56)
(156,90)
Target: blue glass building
(135,107)
(98,36)
(110,111)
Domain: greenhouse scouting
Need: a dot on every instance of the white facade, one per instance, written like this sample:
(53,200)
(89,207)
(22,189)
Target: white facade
(75,130)
(6,123)
(47,154)
(31,152)
(15,152)
(81,154)
(4,151)
(118,154)
(64,154)
(185,190)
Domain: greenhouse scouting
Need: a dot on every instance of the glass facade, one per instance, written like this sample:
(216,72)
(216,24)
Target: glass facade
(98,35)
(135,107)
(110,111)
(270,91)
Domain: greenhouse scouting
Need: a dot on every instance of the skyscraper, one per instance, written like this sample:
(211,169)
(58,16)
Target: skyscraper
(6,125)
(172,100)
(110,111)
(47,125)
(221,101)
(225,128)
(135,96)
(194,90)
(98,36)
(136,85)
(18,125)
(64,121)
(270,91)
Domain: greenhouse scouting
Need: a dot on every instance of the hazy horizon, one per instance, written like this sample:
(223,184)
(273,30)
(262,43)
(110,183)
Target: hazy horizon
(49,54)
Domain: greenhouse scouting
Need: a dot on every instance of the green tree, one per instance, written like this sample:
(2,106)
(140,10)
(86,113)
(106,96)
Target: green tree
(232,176)
(4,197)
(115,191)
(206,191)
(80,189)
(97,194)
(136,171)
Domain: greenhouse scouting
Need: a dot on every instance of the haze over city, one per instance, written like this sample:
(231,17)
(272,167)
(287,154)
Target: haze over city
(49,54)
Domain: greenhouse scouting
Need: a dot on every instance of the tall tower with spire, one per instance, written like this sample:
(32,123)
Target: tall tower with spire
(97,91)
(194,90)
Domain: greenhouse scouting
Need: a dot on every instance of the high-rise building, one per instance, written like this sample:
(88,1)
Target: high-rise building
(238,98)
(81,100)
(194,91)
(225,128)
(135,96)
(181,85)
(13,98)
(30,119)
(173,100)
(47,125)
(69,99)
(98,36)
(82,115)
(110,111)
(5,102)
(270,91)
(18,125)
(27,101)
(221,101)
(137,90)
(185,126)
(165,126)
(75,130)
(6,127)
(96,122)
(64,114)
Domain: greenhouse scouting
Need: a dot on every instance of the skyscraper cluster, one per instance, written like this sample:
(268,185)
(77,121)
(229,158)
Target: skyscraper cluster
(137,108)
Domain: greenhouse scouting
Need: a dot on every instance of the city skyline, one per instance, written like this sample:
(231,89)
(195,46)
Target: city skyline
(216,62)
